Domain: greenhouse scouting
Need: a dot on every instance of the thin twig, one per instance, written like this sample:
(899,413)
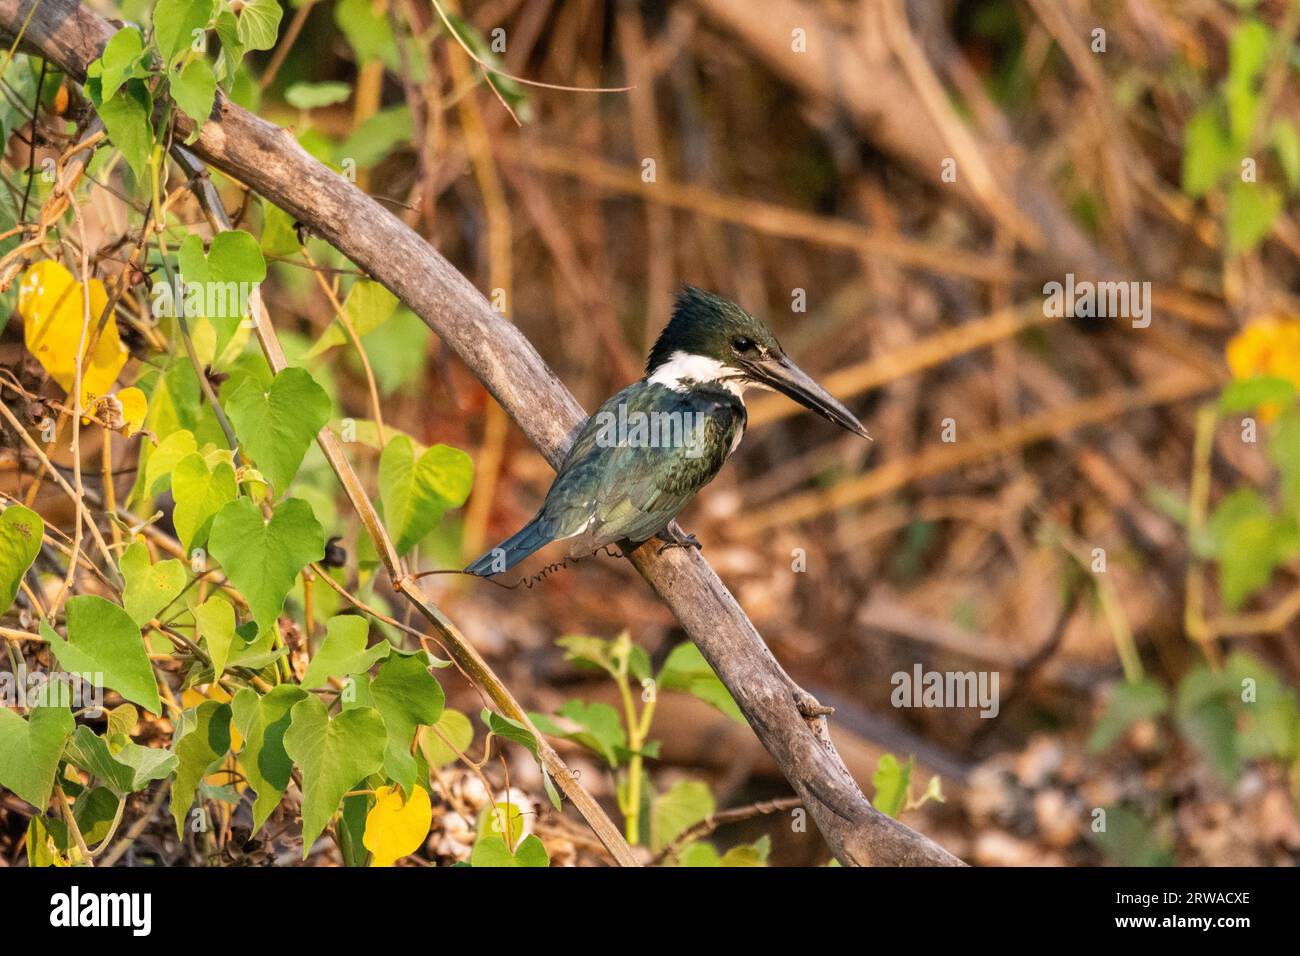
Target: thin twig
(714,820)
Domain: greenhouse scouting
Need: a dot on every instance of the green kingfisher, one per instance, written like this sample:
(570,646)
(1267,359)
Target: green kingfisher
(642,457)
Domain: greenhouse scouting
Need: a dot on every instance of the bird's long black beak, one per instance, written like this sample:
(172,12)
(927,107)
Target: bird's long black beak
(789,379)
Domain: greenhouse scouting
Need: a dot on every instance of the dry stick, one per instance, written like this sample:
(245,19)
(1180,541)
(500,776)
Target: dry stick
(489,70)
(1272,621)
(58,480)
(763,217)
(85,353)
(941,458)
(270,161)
(783,222)
(464,653)
(68,172)
(283,47)
(714,820)
(643,114)
(138,827)
(341,315)
(1197,507)
(66,808)
(938,104)
(487,467)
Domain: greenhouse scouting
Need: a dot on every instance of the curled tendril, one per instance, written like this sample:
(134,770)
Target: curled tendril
(528,582)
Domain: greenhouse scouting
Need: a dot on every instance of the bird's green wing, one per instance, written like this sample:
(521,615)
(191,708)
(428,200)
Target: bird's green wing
(632,491)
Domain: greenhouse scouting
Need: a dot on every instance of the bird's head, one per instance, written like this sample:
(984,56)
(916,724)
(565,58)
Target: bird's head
(711,339)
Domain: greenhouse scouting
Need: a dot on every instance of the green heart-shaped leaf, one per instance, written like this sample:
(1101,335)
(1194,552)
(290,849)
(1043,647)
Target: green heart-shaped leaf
(683,805)
(416,491)
(309,96)
(215,620)
(174,23)
(259,24)
(261,558)
(202,739)
(491,849)
(194,89)
(596,726)
(232,256)
(123,59)
(406,695)
(343,651)
(200,492)
(368,306)
(262,721)
(334,755)
(687,670)
(276,425)
(126,120)
(149,587)
(105,644)
(94,813)
(458,732)
(164,458)
(30,751)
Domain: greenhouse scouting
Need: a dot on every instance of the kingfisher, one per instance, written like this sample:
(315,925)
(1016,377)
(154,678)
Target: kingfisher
(651,447)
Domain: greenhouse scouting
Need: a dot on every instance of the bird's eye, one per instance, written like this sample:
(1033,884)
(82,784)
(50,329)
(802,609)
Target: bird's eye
(742,344)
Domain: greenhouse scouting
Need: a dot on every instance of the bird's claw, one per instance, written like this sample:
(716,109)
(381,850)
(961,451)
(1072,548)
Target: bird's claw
(809,707)
(676,538)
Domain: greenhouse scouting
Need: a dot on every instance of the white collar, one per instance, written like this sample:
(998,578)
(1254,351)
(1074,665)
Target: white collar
(682,369)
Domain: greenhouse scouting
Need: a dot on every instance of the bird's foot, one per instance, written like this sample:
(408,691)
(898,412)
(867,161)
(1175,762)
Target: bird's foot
(675,537)
(808,706)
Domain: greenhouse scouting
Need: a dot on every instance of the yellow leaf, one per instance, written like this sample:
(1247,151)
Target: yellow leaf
(134,409)
(192,697)
(204,336)
(395,828)
(52,305)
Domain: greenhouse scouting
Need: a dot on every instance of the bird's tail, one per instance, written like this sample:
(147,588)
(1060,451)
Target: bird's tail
(512,550)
